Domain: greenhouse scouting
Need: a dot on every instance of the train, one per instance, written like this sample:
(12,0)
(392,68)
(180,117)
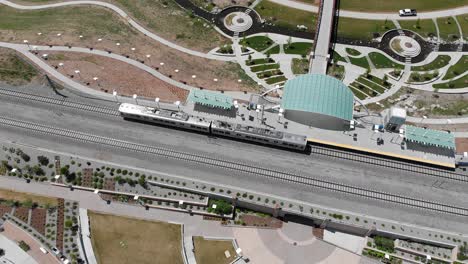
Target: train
(174,118)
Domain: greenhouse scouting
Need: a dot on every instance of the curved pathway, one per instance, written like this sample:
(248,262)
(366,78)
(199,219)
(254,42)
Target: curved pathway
(377,16)
(24,50)
(124,15)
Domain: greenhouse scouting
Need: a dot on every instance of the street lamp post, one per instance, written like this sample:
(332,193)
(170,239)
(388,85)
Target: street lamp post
(78,73)
(135,98)
(114,93)
(27,43)
(96,80)
(178,105)
(157,101)
(148,56)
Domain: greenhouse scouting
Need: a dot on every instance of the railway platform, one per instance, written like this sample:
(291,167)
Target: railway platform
(360,139)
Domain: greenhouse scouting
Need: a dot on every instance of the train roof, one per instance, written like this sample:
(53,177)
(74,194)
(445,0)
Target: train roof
(151,111)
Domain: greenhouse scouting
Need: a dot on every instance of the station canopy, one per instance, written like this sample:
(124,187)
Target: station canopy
(430,137)
(210,99)
(318,93)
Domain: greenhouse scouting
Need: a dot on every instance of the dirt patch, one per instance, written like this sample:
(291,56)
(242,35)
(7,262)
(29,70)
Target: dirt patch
(113,75)
(38,219)
(461,144)
(22,214)
(4,210)
(318,232)
(226,3)
(119,239)
(253,220)
(101,29)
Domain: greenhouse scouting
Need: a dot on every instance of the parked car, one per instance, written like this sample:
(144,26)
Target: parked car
(55,251)
(407,12)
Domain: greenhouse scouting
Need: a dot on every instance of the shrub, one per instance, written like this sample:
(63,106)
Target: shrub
(43,160)
(384,244)
(24,246)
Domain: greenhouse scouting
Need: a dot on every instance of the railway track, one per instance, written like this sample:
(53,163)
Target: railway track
(389,163)
(318,150)
(238,166)
(60,102)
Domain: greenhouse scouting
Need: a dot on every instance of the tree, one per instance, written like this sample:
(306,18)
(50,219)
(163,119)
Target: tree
(25,157)
(43,160)
(222,207)
(37,170)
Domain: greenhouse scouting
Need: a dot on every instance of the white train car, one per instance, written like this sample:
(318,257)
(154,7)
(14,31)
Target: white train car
(164,117)
(219,128)
(259,135)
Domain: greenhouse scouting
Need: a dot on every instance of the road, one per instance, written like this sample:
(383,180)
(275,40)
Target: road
(377,15)
(347,172)
(319,59)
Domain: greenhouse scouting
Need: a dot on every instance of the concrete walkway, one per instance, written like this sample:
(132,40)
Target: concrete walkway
(376,16)
(124,15)
(86,235)
(319,59)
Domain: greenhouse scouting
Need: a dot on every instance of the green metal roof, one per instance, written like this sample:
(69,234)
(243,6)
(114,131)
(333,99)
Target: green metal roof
(318,93)
(210,99)
(430,137)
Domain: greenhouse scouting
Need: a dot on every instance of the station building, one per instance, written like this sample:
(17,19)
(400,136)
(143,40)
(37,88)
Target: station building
(318,100)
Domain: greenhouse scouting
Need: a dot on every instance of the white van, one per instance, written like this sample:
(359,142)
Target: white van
(43,250)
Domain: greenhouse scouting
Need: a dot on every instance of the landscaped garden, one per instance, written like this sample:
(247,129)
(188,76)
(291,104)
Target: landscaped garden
(423,76)
(209,251)
(300,48)
(455,84)
(361,62)
(448,28)
(258,43)
(286,17)
(439,62)
(459,68)
(381,61)
(353,52)
(463,20)
(362,28)
(424,27)
(300,66)
(369,86)
(118,239)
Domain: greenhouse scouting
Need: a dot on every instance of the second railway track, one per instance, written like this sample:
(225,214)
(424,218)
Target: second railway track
(238,166)
(318,150)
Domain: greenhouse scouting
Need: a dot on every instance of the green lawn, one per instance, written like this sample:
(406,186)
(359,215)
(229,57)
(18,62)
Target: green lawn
(118,239)
(364,89)
(264,67)
(361,62)
(358,93)
(336,71)
(14,70)
(372,85)
(423,77)
(257,43)
(274,50)
(337,57)
(212,251)
(362,28)
(276,79)
(259,61)
(424,27)
(353,52)
(439,62)
(301,48)
(458,83)
(300,66)
(377,80)
(285,16)
(395,5)
(381,61)
(460,67)
(448,28)
(463,20)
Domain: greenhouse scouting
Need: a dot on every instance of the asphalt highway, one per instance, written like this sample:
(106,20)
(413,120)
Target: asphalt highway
(348,172)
